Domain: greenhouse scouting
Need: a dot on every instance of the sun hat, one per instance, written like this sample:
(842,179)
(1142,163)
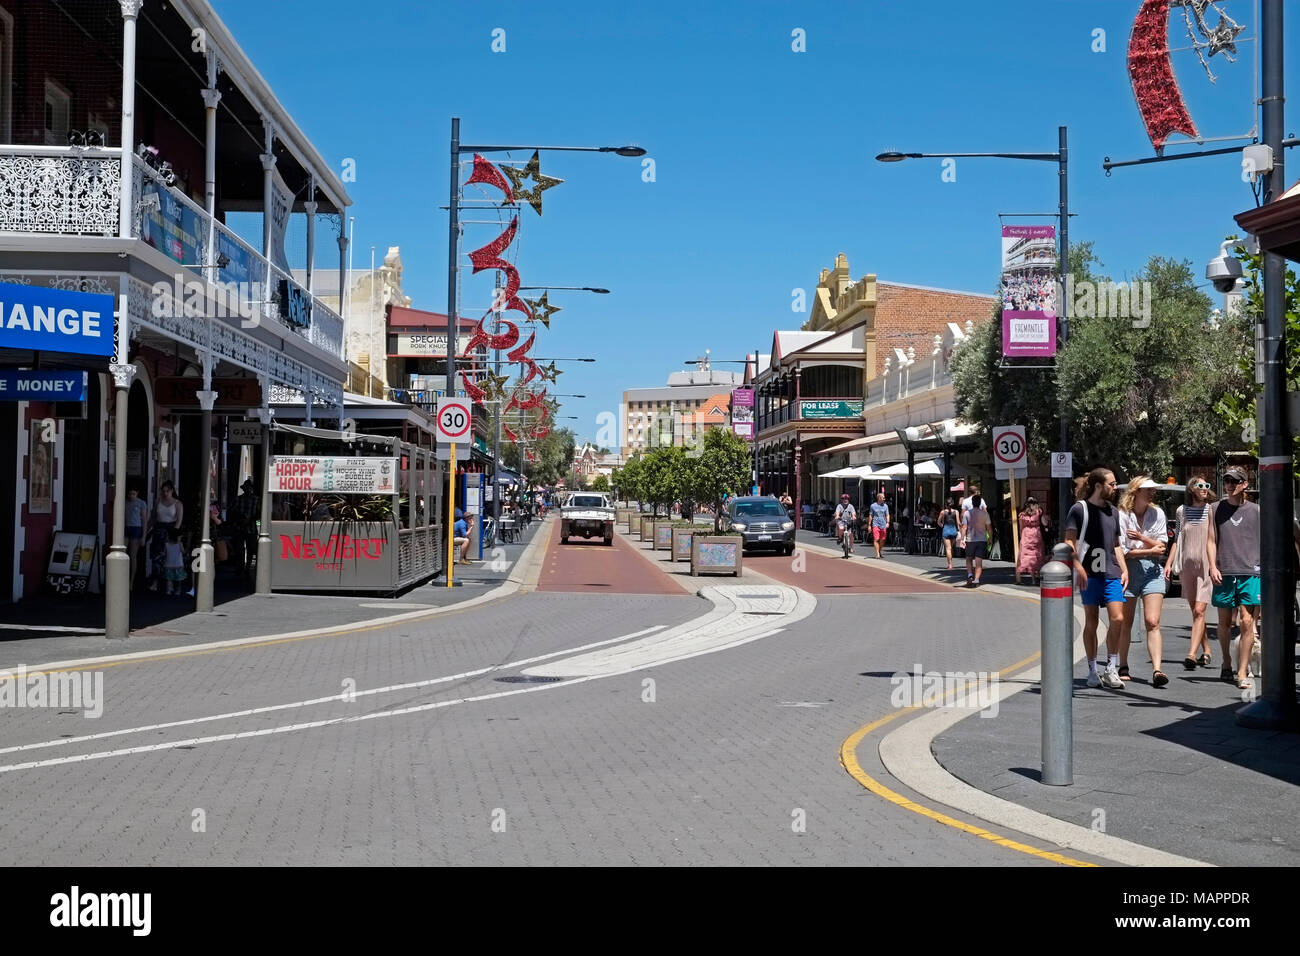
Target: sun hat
(1148,483)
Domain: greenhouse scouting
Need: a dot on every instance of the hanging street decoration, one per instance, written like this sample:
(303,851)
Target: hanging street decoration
(534,370)
(1151,70)
(510,434)
(489,256)
(486,172)
(518,354)
(531,171)
(495,386)
(551,373)
(543,310)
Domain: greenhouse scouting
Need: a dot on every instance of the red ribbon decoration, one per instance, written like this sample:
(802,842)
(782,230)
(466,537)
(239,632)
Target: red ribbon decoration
(534,370)
(541,432)
(506,339)
(1151,73)
(518,354)
(510,434)
(485,172)
(473,391)
(488,257)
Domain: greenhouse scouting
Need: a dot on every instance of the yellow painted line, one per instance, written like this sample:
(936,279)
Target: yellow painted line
(269,642)
(849,761)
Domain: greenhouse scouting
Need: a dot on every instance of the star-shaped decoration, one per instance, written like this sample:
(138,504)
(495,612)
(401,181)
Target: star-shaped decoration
(543,310)
(494,385)
(551,373)
(531,171)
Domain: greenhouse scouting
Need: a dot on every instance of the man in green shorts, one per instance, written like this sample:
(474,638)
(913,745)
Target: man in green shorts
(1233,546)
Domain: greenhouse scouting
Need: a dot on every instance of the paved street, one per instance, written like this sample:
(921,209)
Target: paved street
(730,756)
(593,705)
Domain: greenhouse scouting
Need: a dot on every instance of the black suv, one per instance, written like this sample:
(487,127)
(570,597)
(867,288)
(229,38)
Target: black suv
(761,522)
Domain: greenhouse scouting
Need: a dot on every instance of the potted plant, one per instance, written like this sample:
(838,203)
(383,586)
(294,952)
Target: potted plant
(716,554)
(683,532)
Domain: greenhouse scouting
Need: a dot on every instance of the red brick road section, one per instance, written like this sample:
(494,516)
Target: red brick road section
(592,567)
(827,575)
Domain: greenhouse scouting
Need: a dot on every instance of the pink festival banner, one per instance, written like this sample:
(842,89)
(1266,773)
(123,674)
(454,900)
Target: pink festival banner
(1029,290)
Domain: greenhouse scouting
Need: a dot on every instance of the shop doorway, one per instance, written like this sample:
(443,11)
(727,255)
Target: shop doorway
(138,437)
(8,493)
(83,466)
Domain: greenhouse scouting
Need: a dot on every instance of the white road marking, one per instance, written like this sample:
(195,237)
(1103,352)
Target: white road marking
(713,632)
(333,698)
(52,628)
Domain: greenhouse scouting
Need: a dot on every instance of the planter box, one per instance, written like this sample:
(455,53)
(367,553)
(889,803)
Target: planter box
(716,554)
(663,536)
(621,515)
(681,549)
(647,526)
(633,522)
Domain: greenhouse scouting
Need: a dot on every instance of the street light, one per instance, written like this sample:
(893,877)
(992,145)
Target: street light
(453,227)
(566,288)
(1060,157)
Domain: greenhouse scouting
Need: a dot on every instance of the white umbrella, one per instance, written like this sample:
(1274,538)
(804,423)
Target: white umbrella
(839,473)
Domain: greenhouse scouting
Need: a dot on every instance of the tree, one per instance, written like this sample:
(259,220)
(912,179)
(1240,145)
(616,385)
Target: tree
(1134,394)
(600,484)
(1237,406)
(722,467)
(664,477)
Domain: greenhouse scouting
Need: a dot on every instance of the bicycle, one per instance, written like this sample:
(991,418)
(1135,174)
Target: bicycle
(846,537)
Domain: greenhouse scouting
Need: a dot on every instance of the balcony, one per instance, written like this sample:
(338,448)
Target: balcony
(46,190)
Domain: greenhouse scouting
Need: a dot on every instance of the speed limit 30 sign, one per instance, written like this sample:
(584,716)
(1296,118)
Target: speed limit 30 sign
(455,419)
(1010,452)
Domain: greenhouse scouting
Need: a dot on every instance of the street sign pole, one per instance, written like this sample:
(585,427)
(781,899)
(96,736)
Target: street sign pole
(451,515)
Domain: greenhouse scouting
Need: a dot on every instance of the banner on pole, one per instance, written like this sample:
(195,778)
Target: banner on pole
(1029,291)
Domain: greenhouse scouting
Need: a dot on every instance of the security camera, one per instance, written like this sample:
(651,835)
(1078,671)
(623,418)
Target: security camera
(1224,270)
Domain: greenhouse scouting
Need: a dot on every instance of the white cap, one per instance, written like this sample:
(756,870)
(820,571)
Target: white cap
(1148,483)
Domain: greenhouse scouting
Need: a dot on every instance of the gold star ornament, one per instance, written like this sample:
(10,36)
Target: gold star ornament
(494,386)
(543,310)
(551,373)
(532,171)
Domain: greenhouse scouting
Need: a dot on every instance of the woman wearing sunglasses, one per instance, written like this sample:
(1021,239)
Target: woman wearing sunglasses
(1142,534)
(1192,560)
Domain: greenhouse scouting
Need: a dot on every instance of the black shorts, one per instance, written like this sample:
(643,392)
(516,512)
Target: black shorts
(977,549)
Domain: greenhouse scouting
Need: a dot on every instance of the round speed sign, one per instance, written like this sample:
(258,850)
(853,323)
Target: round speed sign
(1009,445)
(454,419)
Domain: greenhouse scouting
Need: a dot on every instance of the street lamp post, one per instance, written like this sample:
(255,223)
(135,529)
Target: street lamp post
(453,232)
(1061,158)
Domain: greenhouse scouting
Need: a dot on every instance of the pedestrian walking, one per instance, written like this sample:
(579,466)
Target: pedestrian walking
(879,522)
(1190,555)
(1092,529)
(1033,553)
(950,524)
(1233,549)
(1143,537)
(168,513)
(137,517)
(174,562)
(975,531)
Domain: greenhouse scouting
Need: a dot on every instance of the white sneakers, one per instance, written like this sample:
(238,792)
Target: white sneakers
(1110,679)
(1093,679)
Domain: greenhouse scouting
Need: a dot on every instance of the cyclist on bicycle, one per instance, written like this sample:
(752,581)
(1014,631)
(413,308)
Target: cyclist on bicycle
(845,516)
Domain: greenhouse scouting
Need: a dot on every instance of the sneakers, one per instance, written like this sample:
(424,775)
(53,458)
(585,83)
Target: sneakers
(1093,679)
(1110,679)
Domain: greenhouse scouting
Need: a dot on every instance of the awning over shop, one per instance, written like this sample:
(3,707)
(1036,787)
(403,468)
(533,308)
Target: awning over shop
(957,430)
(858,471)
(930,468)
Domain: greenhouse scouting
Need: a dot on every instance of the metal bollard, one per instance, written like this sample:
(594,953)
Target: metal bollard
(1056,603)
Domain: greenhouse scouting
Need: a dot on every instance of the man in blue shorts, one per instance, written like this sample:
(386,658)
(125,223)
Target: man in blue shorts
(1092,529)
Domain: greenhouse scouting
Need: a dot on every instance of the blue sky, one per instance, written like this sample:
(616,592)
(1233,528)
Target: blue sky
(764,157)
